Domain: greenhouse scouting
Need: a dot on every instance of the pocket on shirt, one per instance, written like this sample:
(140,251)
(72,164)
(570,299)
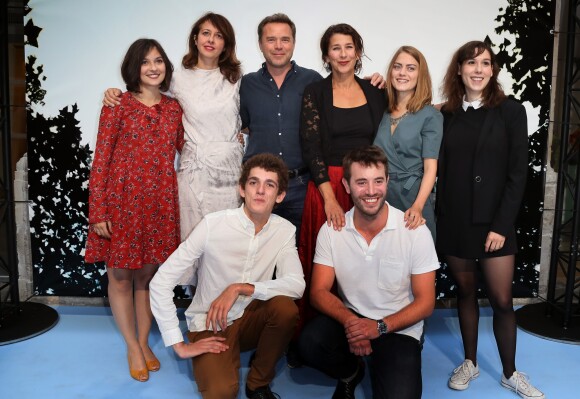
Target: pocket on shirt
(390,274)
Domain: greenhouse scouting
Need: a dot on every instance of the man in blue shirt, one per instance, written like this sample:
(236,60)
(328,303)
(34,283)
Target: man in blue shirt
(270,103)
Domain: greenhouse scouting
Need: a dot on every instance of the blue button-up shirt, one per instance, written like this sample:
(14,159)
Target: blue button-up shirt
(272,114)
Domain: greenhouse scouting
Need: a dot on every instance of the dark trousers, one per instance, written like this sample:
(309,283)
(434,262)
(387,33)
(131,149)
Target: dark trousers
(293,205)
(395,361)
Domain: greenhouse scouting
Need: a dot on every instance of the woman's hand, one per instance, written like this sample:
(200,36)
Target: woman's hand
(112,97)
(377,80)
(494,242)
(334,214)
(206,345)
(241,134)
(414,217)
(103,229)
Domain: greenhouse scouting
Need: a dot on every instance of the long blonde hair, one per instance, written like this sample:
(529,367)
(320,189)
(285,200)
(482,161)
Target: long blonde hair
(423,92)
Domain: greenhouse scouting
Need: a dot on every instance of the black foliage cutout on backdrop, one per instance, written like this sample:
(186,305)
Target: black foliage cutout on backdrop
(528,59)
(59,164)
(58,174)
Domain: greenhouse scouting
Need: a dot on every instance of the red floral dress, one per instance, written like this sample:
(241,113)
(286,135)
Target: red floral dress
(133,183)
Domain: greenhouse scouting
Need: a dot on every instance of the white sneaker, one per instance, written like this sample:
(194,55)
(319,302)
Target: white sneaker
(520,384)
(462,375)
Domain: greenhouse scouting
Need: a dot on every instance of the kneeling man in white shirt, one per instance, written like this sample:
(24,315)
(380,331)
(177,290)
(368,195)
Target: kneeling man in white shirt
(238,302)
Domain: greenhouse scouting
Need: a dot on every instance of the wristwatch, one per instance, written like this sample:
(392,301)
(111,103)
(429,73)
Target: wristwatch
(382,327)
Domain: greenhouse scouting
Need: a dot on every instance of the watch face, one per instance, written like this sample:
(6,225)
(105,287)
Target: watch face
(382,327)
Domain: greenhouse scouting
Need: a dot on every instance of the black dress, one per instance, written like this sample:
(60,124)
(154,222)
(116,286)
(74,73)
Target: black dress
(457,235)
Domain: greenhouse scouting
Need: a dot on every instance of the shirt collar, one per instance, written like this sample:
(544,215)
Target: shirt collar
(391,221)
(265,72)
(247,222)
(475,104)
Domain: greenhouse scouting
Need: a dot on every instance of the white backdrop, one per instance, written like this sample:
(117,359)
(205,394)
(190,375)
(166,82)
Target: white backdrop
(82,48)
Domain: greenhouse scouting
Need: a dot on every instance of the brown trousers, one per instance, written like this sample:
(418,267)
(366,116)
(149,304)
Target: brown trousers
(266,326)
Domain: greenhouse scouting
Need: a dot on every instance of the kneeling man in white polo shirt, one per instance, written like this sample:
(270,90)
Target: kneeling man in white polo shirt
(385,278)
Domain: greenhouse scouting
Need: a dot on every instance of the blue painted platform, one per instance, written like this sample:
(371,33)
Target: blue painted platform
(83,356)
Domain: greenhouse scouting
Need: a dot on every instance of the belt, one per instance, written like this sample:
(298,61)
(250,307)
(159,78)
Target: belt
(292,173)
(410,176)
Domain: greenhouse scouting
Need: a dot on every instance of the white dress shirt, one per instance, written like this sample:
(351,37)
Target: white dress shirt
(476,104)
(229,252)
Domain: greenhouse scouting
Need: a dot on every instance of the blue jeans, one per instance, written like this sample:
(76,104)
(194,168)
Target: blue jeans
(293,205)
(395,361)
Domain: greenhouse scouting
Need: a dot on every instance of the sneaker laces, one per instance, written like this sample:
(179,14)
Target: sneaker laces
(521,379)
(464,370)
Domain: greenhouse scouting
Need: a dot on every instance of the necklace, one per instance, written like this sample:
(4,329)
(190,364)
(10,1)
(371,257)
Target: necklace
(395,121)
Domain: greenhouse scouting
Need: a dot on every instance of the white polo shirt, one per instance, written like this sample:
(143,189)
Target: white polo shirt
(375,280)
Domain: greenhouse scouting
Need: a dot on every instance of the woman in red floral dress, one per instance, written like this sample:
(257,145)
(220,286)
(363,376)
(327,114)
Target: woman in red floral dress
(133,201)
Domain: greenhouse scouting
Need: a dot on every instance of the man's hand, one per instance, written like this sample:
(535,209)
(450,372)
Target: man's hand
(360,329)
(206,345)
(218,311)
(361,348)
(112,97)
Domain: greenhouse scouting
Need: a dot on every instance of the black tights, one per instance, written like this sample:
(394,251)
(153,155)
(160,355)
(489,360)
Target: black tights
(498,275)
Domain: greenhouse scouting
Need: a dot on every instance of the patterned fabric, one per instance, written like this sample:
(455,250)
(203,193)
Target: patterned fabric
(133,183)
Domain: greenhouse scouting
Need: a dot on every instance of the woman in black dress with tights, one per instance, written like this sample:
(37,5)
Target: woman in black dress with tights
(482,176)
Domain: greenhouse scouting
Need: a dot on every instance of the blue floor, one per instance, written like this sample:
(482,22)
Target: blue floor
(83,356)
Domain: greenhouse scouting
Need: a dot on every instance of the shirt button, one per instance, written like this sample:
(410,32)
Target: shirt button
(280,134)
(278,95)
(279,114)
(280,154)
(477,179)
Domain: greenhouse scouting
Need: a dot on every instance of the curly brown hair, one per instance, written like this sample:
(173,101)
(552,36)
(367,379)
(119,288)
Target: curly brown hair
(270,163)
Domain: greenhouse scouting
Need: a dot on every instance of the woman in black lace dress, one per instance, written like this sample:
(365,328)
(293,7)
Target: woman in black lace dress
(339,113)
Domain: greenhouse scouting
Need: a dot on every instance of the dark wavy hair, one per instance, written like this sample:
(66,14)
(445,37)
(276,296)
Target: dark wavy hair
(343,29)
(453,88)
(131,66)
(270,163)
(367,156)
(228,63)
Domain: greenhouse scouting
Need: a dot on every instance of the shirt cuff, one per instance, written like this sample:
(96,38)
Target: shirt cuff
(172,337)
(260,291)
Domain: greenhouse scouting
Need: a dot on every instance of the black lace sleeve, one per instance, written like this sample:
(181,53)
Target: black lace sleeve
(310,137)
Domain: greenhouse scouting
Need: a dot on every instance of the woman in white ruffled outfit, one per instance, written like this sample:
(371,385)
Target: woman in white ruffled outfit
(211,159)
(207,88)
